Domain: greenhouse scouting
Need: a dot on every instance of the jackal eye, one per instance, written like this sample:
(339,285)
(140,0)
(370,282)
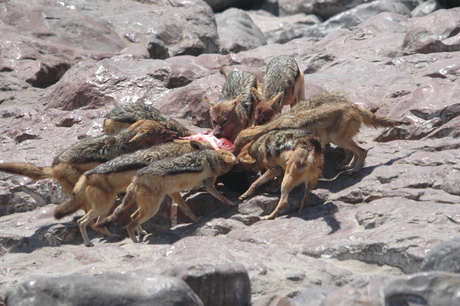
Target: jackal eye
(223,122)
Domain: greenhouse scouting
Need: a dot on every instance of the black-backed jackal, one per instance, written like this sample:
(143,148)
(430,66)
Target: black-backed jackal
(234,110)
(123,116)
(169,177)
(295,153)
(332,123)
(88,153)
(96,190)
(283,85)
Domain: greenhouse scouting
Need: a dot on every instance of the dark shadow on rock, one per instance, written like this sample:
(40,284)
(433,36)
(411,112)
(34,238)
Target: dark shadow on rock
(344,179)
(53,234)
(325,211)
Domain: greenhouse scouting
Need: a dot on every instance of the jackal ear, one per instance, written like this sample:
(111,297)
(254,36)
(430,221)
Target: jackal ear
(275,102)
(136,124)
(247,159)
(209,101)
(256,95)
(259,86)
(140,135)
(197,145)
(237,101)
(229,157)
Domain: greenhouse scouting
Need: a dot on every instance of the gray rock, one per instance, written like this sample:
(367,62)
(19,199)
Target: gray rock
(360,13)
(425,8)
(428,288)
(237,31)
(443,257)
(437,32)
(138,288)
(220,5)
(226,284)
(324,9)
(281,29)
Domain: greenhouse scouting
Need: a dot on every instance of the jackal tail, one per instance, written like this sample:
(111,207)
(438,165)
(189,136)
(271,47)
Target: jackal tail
(371,119)
(75,202)
(127,202)
(29,170)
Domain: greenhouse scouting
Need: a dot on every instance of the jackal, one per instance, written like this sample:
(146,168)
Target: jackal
(96,190)
(332,123)
(88,153)
(295,152)
(168,177)
(235,110)
(283,85)
(123,116)
(333,98)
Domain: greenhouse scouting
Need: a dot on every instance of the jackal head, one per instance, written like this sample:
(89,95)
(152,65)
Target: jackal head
(225,119)
(266,109)
(151,132)
(228,160)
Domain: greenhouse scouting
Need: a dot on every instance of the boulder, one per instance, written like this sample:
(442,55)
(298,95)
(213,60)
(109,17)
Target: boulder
(237,31)
(443,257)
(226,284)
(137,288)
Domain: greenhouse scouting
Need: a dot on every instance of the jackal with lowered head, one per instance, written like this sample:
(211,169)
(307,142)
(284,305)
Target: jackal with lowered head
(332,123)
(169,177)
(96,190)
(88,153)
(296,153)
(123,116)
(283,85)
(234,111)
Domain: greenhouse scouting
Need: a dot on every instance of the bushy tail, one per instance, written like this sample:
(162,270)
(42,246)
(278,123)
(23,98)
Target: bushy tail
(309,152)
(128,201)
(75,202)
(26,169)
(371,119)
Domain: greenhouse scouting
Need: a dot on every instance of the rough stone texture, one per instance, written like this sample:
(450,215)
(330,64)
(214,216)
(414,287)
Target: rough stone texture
(43,39)
(216,285)
(443,257)
(324,9)
(237,31)
(437,288)
(362,237)
(137,288)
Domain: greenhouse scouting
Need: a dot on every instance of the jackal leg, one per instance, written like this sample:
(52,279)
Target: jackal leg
(90,216)
(181,202)
(345,163)
(148,205)
(208,185)
(358,152)
(290,180)
(268,175)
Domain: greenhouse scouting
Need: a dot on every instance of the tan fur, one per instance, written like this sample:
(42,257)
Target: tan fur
(332,123)
(123,116)
(283,85)
(88,153)
(296,153)
(235,109)
(96,190)
(168,178)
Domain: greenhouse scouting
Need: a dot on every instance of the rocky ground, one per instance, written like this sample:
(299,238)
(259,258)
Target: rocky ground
(364,238)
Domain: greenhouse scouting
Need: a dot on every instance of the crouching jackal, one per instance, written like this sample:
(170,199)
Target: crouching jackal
(123,116)
(88,153)
(235,109)
(332,123)
(97,189)
(283,85)
(296,153)
(168,177)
